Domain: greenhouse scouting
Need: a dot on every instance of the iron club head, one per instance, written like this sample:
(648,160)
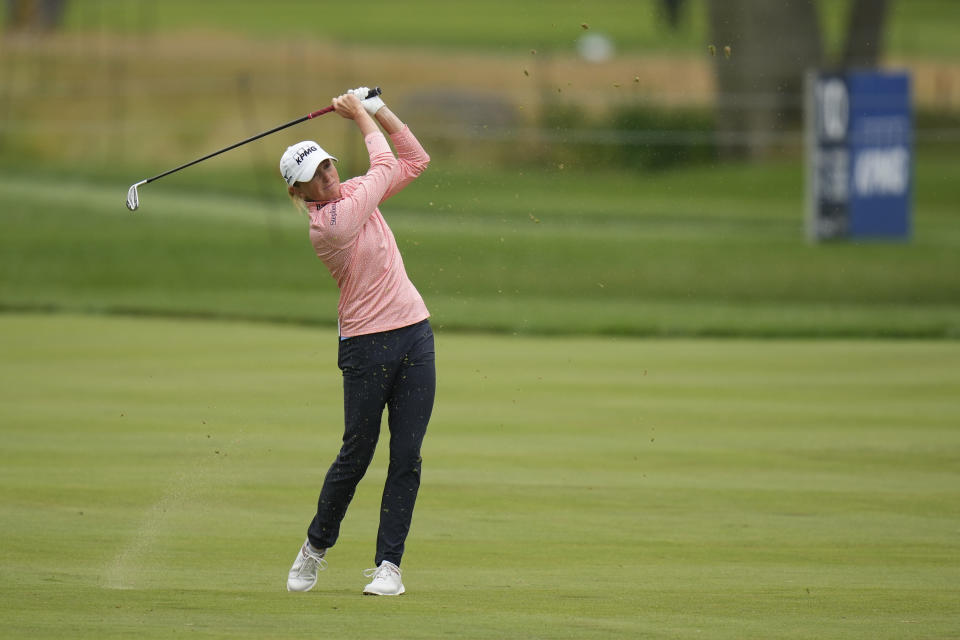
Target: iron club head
(133,198)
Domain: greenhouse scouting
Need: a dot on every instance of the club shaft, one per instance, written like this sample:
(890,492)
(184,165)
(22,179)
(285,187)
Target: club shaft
(373,92)
(233,146)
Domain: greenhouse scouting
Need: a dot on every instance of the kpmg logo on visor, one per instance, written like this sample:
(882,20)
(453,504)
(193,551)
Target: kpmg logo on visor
(303,154)
(300,161)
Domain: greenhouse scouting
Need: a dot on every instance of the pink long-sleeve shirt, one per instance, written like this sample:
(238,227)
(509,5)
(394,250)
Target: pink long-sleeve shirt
(353,240)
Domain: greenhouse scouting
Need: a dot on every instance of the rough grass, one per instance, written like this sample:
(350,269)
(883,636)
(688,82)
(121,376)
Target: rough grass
(178,94)
(156,478)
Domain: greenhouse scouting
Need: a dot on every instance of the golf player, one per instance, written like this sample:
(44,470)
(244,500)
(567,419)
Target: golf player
(386,349)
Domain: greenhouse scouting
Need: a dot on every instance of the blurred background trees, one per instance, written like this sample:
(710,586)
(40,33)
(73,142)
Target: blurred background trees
(652,97)
(775,42)
(39,15)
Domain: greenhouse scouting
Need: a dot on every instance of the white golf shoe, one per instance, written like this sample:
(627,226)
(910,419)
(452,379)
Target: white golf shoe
(385,582)
(303,573)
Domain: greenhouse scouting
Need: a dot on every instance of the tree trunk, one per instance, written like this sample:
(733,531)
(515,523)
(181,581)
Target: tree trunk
(671,9)
(760,86)
(864,40)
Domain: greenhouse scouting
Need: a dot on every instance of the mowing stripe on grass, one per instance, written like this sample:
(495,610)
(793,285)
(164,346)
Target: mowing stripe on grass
(572,488)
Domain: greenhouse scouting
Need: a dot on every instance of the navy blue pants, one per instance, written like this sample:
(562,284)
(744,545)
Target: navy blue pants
(393,370)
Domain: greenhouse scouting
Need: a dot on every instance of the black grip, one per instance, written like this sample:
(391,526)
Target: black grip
(373,93)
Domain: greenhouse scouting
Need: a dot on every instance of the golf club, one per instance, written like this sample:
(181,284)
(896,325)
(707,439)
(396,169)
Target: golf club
(133,197)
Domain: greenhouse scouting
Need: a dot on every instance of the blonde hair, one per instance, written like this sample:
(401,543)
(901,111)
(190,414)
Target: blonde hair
(298,202)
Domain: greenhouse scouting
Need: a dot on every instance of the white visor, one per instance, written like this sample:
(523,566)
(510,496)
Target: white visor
(300,161)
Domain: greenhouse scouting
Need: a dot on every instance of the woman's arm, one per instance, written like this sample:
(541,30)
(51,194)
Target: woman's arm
(344,218)
(389,120)
(411,155)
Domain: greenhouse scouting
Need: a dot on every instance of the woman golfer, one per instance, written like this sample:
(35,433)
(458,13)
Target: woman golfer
(386,347)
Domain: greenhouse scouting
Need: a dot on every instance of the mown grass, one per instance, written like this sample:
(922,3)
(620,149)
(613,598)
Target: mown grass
(920,27)
(157,476)
(707,251)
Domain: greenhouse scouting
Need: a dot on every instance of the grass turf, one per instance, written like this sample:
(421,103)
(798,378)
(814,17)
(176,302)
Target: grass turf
(698,252)
(156,477)
(920,27)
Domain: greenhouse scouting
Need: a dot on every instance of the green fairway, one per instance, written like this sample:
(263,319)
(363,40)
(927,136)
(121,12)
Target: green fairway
(157,477)
(697,252)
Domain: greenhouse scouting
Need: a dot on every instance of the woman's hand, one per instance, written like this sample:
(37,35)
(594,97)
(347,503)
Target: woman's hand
(349,106)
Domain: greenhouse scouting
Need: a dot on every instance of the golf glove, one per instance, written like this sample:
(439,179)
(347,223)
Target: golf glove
(372,105)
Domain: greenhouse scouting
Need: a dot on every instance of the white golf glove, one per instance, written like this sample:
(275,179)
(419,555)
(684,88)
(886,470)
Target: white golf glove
(372,105)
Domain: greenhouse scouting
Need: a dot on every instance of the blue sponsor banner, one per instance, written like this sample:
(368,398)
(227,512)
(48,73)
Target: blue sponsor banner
(860,138)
